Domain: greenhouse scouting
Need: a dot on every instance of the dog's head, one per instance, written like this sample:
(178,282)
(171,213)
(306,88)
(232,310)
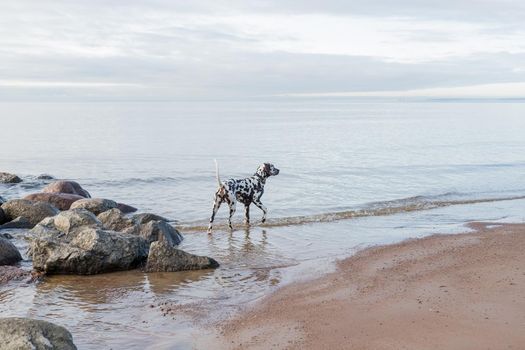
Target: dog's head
(267,170)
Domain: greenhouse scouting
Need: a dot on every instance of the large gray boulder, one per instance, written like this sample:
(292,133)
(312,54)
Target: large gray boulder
(71,187)
(61,201)
(87,250)
(27,334)
(9,254)
(153,231)
(95,205)
(165,258)
(8,178)
(66,222)
(114,220)
(34,212)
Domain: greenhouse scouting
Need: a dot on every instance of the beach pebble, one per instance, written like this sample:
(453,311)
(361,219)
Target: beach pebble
(28,334)
(165,258)
(71,187)
(8,178)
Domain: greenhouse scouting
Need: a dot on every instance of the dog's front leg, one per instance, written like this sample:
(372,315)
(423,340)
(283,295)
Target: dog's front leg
(231,203)
(262,207)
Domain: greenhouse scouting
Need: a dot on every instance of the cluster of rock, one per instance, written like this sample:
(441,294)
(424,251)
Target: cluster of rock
(72,233)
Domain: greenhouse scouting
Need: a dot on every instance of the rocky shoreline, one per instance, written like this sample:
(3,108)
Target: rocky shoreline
(69,232)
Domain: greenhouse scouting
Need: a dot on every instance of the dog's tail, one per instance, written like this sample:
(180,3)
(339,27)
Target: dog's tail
(217,173)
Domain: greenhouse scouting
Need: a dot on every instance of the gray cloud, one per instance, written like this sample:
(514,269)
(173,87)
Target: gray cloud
(183,50)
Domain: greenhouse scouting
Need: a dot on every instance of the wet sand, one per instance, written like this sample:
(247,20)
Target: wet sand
(464,291)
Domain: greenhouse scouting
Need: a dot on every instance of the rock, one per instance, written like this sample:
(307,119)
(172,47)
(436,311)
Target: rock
(8,178)
(6,235)
(144,218)
(28,334)
(2,200)
(62,201)
(154,231)
(163,257)
(19,222)
(3,217)
(71,187)
(69,220)
(126,209)
(34,212)
(95,205)
(87,251)
(114,220)
(45,177)
(8,273)
(9,254)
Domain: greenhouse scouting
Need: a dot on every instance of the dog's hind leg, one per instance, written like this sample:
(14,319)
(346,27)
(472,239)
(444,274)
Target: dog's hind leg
(231,203)
(262,207)
(247,214)
(216,204)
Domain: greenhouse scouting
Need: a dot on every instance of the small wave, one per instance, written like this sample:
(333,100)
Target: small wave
(404,205)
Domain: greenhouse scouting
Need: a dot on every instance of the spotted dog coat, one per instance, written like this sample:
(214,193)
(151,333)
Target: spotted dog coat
(246,191)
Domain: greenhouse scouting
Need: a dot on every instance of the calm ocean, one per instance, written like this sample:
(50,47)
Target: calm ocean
(353,173)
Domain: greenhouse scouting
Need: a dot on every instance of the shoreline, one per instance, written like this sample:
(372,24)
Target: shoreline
(446,291)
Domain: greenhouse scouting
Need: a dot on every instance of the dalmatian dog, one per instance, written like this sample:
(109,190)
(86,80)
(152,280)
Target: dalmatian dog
(246,191)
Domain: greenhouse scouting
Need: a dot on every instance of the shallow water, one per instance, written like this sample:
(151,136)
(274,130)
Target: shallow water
(352,175)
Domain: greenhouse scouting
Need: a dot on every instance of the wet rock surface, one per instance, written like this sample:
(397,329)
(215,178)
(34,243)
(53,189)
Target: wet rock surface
(114,220)
(34,212)
(19,222)
(28,334)
(126,209)
(87,250)
(10,273)
(166,258)
(95,205)
(9,254)
(8,178)
(153,231)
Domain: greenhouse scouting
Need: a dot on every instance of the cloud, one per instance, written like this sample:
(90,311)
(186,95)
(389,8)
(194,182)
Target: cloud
(241,49)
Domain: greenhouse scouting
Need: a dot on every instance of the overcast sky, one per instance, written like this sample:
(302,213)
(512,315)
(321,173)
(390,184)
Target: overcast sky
(161,49)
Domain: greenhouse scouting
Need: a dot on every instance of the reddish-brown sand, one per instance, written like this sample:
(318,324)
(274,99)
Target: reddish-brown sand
(464,291)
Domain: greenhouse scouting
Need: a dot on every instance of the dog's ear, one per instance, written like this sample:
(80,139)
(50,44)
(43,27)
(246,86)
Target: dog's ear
(267,169)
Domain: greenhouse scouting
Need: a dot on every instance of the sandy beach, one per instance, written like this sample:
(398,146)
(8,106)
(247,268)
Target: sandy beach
(463,291)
